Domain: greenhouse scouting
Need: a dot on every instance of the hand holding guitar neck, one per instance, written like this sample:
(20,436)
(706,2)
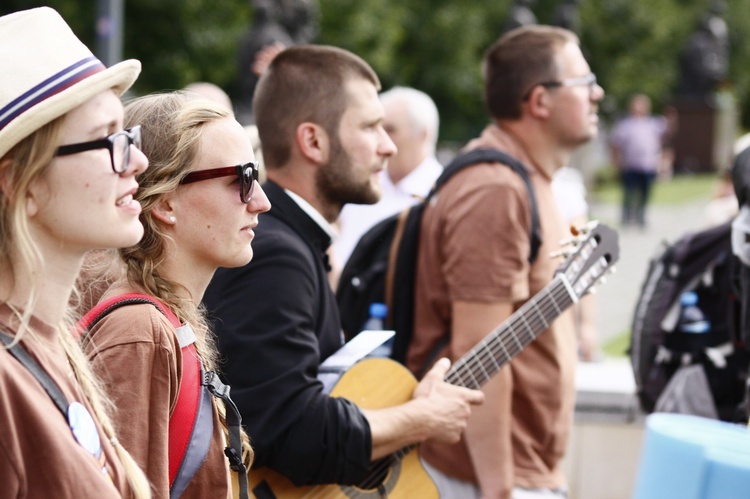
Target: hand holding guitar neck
(402,412)
(446,408)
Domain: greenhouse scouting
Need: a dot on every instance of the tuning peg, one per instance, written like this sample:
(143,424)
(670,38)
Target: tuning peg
(570,241)
(591,290)
(602,280)
(583,230)
(563,253)
(612,270)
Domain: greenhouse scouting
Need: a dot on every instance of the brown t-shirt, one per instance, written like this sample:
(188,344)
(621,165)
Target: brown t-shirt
(475,248)
(39,456)
(135,350)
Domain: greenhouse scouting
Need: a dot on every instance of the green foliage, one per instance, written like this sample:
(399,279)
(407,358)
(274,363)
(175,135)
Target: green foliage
(434,45)
(178,41)
(182,41)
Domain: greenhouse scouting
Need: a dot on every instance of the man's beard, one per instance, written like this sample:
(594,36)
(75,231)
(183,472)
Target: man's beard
(337,180)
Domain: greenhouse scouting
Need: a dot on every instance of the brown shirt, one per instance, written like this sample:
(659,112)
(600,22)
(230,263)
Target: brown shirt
(135,350)
(475,248)
(39,456)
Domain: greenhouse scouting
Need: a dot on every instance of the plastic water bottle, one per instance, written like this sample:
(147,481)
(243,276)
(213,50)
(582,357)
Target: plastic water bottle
(692,319)
(378,311)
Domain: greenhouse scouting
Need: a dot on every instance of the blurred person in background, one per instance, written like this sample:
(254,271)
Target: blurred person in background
(412,121)
(636,144)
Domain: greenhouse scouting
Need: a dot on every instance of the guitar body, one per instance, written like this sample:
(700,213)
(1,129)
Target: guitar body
(371,384)
(381,383)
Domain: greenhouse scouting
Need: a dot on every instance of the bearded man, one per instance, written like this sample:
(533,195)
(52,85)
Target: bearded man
(324,145)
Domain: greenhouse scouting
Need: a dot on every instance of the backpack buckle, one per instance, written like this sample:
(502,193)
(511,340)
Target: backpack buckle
(215,386)
(235,460)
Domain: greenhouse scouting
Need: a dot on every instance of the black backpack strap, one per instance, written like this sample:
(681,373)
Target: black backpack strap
(488,155)
(234,429)
(38,372)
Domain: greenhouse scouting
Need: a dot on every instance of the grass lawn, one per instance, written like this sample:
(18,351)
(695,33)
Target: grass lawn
(680,189)
(617,346)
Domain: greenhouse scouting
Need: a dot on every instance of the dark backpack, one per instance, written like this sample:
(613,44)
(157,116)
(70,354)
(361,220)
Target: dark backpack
(701,262)
(382,265)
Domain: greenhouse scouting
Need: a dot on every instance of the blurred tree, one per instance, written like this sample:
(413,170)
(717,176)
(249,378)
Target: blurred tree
(178,41)
(434,45)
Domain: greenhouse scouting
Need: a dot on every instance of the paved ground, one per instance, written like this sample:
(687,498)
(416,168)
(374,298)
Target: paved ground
(617,296)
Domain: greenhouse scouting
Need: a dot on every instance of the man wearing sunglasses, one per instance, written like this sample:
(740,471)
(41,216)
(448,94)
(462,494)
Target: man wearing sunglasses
(320,123)
(473,270)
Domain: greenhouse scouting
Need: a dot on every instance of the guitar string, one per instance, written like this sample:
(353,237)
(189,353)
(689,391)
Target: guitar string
(507,342)
(555,294)
(548,307)
(552,301)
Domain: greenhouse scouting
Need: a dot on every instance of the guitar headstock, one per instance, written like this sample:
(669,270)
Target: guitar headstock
(595,249)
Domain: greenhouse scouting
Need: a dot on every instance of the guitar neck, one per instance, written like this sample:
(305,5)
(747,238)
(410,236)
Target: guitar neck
(507,340)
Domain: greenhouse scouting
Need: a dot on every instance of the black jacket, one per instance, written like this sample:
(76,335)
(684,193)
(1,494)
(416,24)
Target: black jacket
(276,319)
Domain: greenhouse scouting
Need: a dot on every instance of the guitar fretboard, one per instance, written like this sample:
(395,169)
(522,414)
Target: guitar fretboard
(502,344)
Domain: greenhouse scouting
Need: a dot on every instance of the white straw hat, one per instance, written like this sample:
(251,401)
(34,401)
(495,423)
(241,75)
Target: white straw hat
(46,72)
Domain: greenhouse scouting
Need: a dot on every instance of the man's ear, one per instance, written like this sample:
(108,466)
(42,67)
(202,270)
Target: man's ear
(313,142)
(164,211)
(538,103)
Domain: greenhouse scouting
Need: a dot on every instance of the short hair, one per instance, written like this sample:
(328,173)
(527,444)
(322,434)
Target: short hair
(420,109)
(304,83)
(517,61)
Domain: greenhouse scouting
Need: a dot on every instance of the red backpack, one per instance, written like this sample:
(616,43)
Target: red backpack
(191,422)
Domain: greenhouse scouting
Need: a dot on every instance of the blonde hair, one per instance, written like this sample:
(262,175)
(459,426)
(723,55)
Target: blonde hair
(21,259)
(172,125)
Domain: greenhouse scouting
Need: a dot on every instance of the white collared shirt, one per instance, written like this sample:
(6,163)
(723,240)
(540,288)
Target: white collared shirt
(313,213)
(356,219)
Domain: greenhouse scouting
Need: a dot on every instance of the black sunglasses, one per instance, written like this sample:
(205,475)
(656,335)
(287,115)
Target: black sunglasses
(246,172)
(118,145)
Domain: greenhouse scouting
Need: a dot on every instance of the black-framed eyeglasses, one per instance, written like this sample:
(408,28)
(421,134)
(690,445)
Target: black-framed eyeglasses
(247,173)
(588,80)
(118,145)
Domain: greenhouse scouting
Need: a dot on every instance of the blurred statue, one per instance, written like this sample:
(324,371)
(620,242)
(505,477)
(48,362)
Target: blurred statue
(566,16)
(300,18)
(277,24)
(520,15)
(705,59)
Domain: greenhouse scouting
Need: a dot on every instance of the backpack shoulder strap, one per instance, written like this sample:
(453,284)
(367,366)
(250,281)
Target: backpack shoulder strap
(488,155)
(37,371)
(190,409)
(191,421)
(103,308)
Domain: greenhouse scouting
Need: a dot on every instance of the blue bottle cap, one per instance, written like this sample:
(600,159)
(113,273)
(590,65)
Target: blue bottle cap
(688,298)
(379,310)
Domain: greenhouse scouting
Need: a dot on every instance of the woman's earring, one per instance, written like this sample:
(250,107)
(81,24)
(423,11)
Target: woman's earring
(172,218)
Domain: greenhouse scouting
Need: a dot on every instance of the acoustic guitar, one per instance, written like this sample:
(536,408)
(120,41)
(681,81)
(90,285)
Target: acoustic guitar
(376,383)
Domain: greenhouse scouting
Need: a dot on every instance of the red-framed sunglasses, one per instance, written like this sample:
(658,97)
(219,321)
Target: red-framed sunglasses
(247,173)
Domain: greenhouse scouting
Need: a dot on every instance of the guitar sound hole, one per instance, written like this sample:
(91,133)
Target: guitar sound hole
(378,472)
